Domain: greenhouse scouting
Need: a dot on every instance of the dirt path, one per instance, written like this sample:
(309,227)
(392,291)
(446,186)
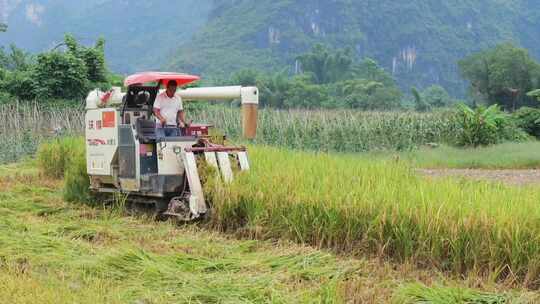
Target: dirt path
(513,177)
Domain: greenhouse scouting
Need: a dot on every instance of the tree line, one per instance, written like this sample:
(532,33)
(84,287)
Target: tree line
(324,78)
(69,72)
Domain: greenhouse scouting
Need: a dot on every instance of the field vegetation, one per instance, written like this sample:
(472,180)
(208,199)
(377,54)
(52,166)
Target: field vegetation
(308,186)
(503,156)
(64,252)
(383,208)
(24,126)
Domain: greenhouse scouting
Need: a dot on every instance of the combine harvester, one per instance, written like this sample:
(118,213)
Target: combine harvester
(125,153)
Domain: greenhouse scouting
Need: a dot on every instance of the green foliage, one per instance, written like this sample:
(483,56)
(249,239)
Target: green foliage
(332,80)
(76,180)
(419,104)
(302,93)
(437,97)
(485,126)
(326,66)
(369,69)
(55,74)
(3,27)
(503,75)
(15,59)
(273,89)
(366,94)
(245,78)
(20,83)
(60,75)
(534,94)
(529,120)
(94,58)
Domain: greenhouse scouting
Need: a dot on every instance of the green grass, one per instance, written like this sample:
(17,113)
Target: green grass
(504,156)
(384,208)
(66,158)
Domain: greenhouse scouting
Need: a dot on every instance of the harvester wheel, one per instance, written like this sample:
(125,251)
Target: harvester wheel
(161,206)
(178,209)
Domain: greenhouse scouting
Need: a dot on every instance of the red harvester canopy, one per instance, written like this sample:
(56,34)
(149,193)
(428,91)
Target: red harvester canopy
(146,77)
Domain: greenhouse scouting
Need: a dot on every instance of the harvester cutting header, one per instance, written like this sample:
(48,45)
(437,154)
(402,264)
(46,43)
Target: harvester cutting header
(136,143)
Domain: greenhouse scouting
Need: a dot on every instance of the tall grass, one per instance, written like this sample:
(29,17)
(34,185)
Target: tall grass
(56,155)
(66,157)
(382,207)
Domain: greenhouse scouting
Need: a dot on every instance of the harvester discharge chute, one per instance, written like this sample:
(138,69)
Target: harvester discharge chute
(127,154)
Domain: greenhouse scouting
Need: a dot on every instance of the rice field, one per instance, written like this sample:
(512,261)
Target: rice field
(56,252)
(362,206)
(370,206)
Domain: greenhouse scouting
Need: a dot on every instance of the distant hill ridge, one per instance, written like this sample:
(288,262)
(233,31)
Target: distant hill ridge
(417,41)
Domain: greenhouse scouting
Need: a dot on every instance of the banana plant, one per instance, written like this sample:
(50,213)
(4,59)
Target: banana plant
(535,94)
(480,126)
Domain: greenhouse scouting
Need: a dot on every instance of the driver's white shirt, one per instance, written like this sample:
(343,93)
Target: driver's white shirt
(168,107)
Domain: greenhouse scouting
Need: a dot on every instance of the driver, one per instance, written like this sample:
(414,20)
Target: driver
(169,111)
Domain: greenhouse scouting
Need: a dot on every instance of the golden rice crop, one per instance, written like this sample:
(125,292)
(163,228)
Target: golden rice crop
(360,205)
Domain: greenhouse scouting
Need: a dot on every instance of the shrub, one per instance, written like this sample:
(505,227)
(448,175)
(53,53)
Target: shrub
(20,84)
(485,126)
(437,97)
(54,156)
(76,181)
(65,157)
(529,120)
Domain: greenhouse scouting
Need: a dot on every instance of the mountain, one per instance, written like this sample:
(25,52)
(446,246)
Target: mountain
(418,41)
(139,34)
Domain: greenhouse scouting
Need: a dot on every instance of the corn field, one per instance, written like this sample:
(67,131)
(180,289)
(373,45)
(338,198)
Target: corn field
(24,126)
(339,130)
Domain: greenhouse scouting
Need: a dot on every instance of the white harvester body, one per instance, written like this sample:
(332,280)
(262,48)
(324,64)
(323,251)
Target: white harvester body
(126,153)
